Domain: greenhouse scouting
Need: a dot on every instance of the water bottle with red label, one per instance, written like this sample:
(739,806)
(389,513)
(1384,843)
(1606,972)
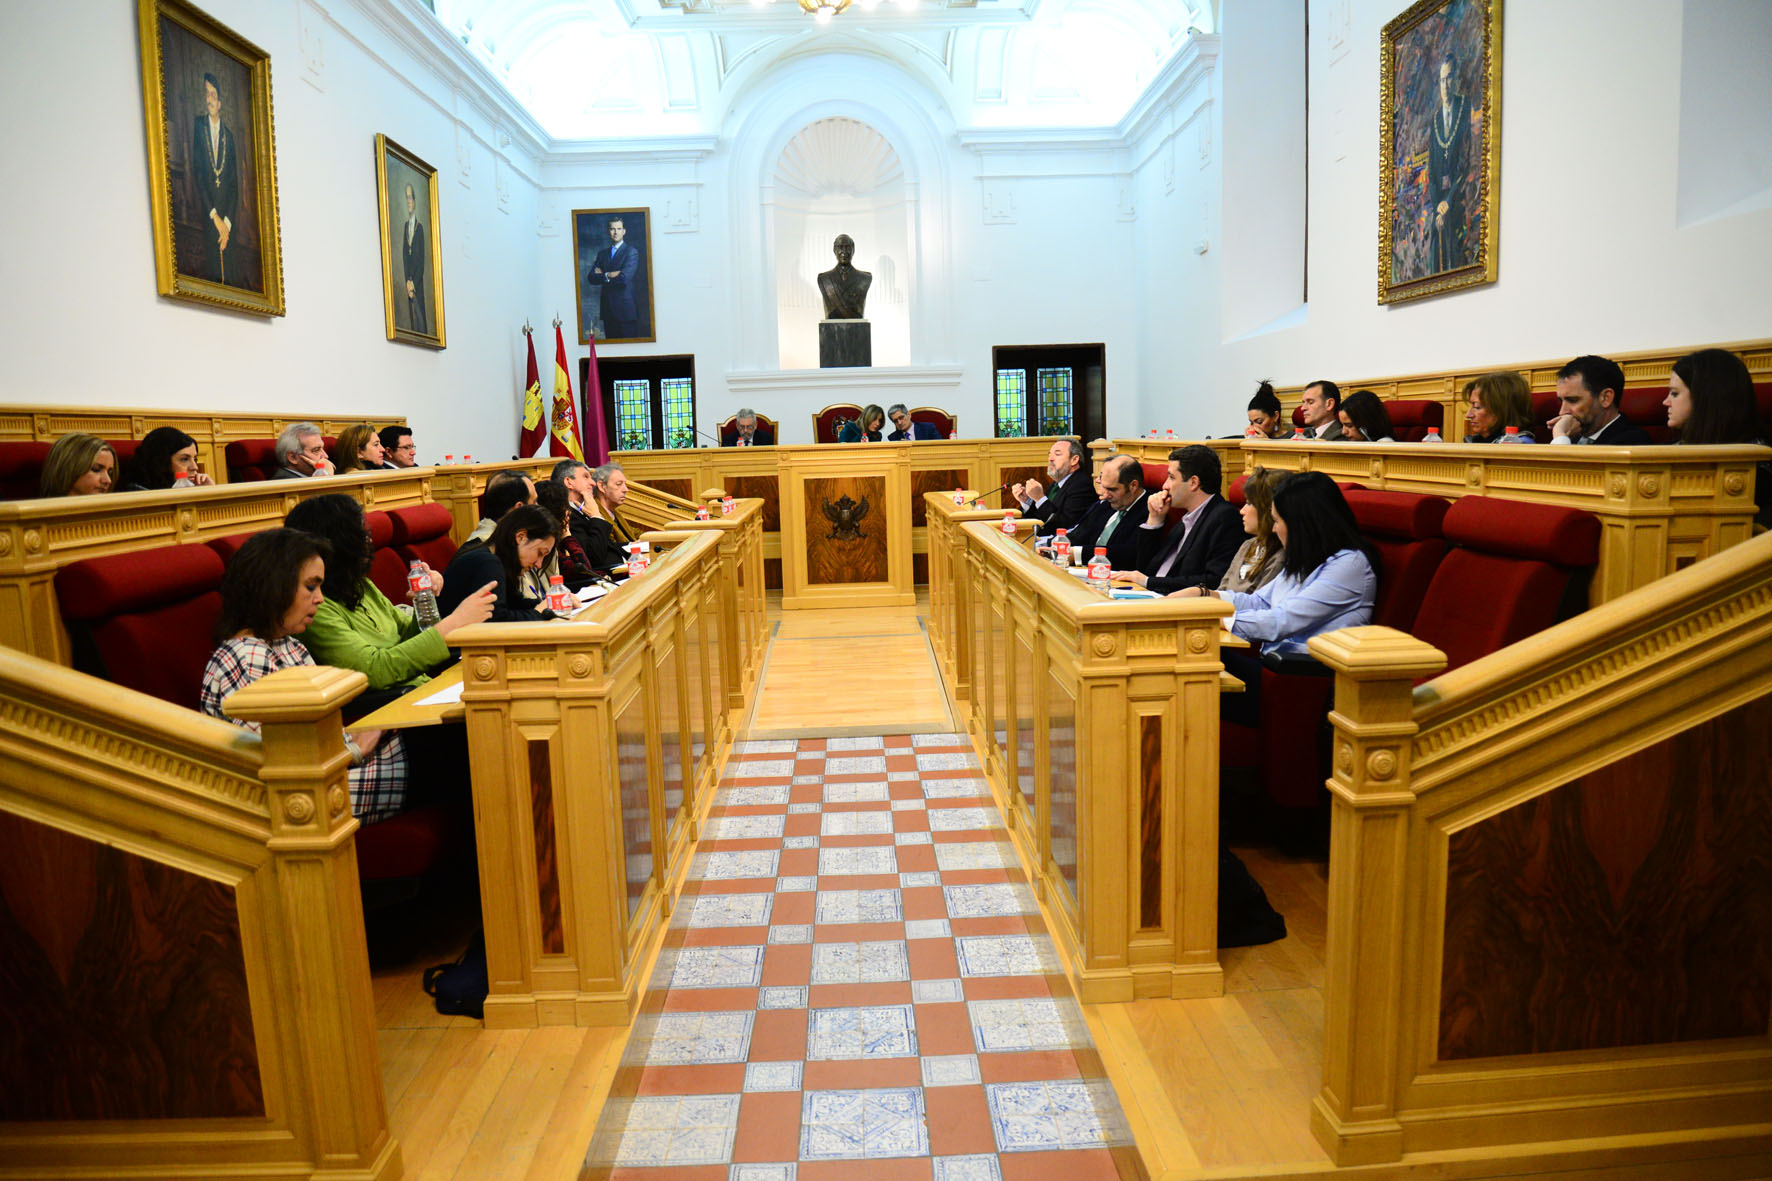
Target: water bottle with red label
(637,559)
(1009,524)
(959,496)
(1099,567)
(424,599)
(1061,549)
(701,513)
(726,507)
(559,598)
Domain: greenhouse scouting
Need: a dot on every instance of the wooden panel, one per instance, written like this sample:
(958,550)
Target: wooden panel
(1061,772)
(634,796)
(934,480)
(1026,680)
(1574,918)
(764,488)
(1012,476)
(684,488)
(125,986)
(839,554)
(1150,821)
(771,573)
(547,862)
(670,739)
(920,568)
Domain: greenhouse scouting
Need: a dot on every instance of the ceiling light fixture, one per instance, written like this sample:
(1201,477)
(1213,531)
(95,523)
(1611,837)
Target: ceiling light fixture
(823,10)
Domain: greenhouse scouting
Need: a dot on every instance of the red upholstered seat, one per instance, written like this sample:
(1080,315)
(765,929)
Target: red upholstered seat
(421,533)
(1406,529)
(941,420)
(1411,418)
(145,620)
(827,422)
(408,845)
(251,459)
(21,469)
(386,569)
(729,431)
(226,547)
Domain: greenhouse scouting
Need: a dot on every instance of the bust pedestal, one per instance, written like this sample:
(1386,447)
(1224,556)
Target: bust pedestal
(845,344)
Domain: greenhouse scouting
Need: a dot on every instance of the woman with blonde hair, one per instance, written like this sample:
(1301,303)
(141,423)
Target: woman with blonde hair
(358,448)
(79,464)
(1498,401)
(1262,556)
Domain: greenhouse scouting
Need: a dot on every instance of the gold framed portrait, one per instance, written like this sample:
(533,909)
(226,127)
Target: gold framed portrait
(212,163)
(1439,185)
(411,245)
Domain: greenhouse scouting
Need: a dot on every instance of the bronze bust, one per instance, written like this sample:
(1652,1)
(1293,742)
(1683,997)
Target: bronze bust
(844,288)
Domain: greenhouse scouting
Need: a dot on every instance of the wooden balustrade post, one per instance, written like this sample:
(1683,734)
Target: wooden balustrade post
(339,1102)
(1354,1115)
(1099,450)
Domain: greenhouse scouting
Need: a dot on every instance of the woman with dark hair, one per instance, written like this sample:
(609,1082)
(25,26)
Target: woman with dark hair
(356,626)
(866,428)
(78,464)
(1497,401)
(1257,563)
(521,542)
(358,448)
(1265,418)
(1364,418)
(270,594)
(1710,400)
(165,458)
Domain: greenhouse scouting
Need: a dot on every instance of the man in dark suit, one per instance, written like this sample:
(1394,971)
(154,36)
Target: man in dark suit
(1199,548)
(747,431)
(907,430)
(1590,389)
(414,258)
(617,271)
(1061,505)
(215,165)
(1321,403)
(1122,487)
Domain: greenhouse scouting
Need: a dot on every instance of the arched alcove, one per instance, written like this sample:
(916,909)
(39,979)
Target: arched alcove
(840,176)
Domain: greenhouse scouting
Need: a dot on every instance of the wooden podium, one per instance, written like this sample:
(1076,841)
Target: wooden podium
(846,526)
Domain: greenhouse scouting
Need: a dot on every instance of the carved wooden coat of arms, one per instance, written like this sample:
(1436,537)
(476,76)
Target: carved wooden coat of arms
(846,517)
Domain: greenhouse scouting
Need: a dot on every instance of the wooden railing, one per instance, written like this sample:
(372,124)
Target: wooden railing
(595,747)
(1097,726)
(1550,914)
(949,611)
(187,979)
(212,430)
(1660,508)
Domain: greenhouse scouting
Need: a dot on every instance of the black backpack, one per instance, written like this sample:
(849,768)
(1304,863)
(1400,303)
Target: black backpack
(460,988)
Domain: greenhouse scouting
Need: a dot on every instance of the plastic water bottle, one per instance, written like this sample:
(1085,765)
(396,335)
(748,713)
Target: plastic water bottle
(637,560)
(1099,566)
(1061,549)
(424,599)
(448,459)
(467,459)
(701,513)
(1170,435)
(1432,436)
(559,598)
(726,506)
(959,496)
(1298,435)
(1511,435)
(953,434)
(1009,524)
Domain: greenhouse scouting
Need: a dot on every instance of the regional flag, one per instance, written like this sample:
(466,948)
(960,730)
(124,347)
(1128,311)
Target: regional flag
(533,406)
(564,425)
(597,436)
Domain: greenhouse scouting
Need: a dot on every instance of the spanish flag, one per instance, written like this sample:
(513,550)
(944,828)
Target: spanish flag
(533,406)
(564,423)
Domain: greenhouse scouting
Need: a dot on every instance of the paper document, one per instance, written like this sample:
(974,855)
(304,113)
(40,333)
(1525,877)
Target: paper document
(447,696)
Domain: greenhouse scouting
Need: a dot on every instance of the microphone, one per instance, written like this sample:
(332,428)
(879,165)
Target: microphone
(974,501)
(714,439)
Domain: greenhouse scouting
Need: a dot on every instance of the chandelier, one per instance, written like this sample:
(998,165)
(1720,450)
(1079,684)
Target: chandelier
(823,10)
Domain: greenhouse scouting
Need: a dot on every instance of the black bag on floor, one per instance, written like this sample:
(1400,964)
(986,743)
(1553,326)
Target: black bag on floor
(1245,917)
(460,988)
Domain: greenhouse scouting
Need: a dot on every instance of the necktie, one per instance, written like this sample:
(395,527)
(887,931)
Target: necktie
(1107,530)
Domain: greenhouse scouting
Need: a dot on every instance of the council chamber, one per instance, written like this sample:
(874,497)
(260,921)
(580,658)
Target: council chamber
(950,589)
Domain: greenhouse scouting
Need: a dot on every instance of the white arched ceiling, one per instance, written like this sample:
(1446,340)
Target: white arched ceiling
(594,69)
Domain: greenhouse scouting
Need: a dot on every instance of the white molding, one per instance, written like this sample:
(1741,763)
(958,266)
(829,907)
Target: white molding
(652,149)
(794,381)
(1193,66)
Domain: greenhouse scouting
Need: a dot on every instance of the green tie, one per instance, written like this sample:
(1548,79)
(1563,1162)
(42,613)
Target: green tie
(1107,530)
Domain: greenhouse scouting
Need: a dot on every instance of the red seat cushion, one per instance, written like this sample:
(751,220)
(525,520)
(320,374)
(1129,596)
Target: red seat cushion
(407,844)
(421,533)
(1405,528)
(251,459)
(226,547)
(941,420)
(21,469)
(145,620)
(386,568)
(1411,418)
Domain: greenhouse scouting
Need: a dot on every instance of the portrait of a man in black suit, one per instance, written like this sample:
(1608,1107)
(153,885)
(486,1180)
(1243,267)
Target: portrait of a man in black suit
(611,249)
(411,240)
(215,167)
(414,250)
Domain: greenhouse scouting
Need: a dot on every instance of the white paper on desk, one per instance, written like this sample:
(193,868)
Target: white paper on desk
(447,696)
(591,593)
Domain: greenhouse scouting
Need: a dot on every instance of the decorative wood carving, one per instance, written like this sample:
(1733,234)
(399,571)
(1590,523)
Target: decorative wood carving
(844,560)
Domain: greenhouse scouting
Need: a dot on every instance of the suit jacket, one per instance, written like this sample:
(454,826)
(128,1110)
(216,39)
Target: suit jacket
(764,436)
(1620,432)
(594,537)
(1065,507)
(1206,553)
(1328,433)
(288,473)
(919,430)
(216,171)
(1088,527)
(414,258)
(621,311)
(1122,547)
(471,569)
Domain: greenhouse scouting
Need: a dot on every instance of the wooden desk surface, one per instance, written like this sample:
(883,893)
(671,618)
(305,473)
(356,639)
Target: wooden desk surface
(405,711)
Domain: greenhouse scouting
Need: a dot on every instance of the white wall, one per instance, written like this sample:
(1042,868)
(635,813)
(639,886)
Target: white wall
(81,321)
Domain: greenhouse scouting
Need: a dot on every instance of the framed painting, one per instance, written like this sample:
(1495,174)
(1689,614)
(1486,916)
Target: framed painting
(212,167)
(411,245)
(1439,148)
(612,265)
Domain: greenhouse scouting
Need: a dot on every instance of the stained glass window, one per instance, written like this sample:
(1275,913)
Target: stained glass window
(1055,401)
(1012,402)
(633,415)
(679,411)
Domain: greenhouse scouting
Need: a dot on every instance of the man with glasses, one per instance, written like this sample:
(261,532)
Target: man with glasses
(397,442)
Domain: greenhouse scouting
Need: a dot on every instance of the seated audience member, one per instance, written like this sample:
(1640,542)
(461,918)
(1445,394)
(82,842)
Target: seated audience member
(570,561)
(359,449)
(609,491)
(1710,400)
(1257,562)
(505,490)
(165,458)
(748,432)
(1320,402)
(1364,419)
(1497,401)
(270,593)
(302,453)
(1266,421)
(1328,580)
(356,626)
(397,447)
(78,464)
(906,430)
(584,523)
(1198,549)
(521,543)
(1060,504)
(866,428)
(1590,388)
(1122,484)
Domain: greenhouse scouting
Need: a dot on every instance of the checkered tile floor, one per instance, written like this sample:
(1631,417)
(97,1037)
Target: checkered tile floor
(857,983)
